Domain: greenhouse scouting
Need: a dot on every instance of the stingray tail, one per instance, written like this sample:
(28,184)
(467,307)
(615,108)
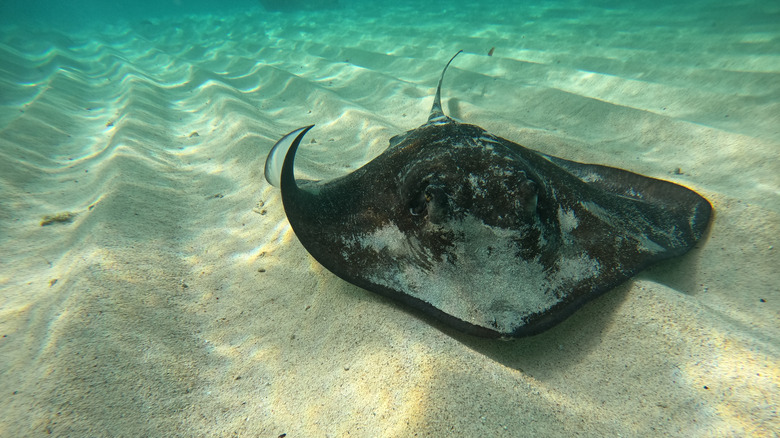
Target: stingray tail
(274,164)
(437,114)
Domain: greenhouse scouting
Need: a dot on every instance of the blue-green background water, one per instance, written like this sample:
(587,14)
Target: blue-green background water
(79,13)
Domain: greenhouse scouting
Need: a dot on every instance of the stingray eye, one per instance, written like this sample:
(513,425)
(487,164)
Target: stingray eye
(420,203)
(433,202)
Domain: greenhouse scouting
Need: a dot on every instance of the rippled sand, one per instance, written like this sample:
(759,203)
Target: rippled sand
(176,301)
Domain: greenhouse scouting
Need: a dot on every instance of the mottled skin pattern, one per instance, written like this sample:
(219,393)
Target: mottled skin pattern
(450,207)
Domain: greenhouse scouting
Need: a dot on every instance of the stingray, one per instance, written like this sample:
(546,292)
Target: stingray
(481,233)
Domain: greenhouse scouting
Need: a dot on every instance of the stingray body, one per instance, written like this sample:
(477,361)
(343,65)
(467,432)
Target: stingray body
(483,234)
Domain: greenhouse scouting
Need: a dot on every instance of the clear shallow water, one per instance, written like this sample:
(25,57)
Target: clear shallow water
(178,273)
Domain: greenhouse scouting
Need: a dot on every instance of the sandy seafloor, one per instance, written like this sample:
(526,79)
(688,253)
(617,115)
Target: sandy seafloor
(178,302)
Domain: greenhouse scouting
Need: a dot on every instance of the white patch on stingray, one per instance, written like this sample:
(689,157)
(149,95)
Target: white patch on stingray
(633,193)
(388,237)
(580,267)
(567,219)
(591,177)
(596,210)
(489,139)
(476,184)
(484,283)
(646,245)
(387,242)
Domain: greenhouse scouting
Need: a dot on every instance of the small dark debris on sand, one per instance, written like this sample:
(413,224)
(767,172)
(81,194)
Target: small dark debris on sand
(62,218)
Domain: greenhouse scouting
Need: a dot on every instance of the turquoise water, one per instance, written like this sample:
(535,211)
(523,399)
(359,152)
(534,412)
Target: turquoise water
(94,13)
(150,284)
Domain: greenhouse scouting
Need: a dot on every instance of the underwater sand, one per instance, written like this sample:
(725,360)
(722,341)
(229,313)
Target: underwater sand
(176,301)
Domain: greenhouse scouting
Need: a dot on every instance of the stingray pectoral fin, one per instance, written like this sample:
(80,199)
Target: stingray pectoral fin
(672,197)
(275,160)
